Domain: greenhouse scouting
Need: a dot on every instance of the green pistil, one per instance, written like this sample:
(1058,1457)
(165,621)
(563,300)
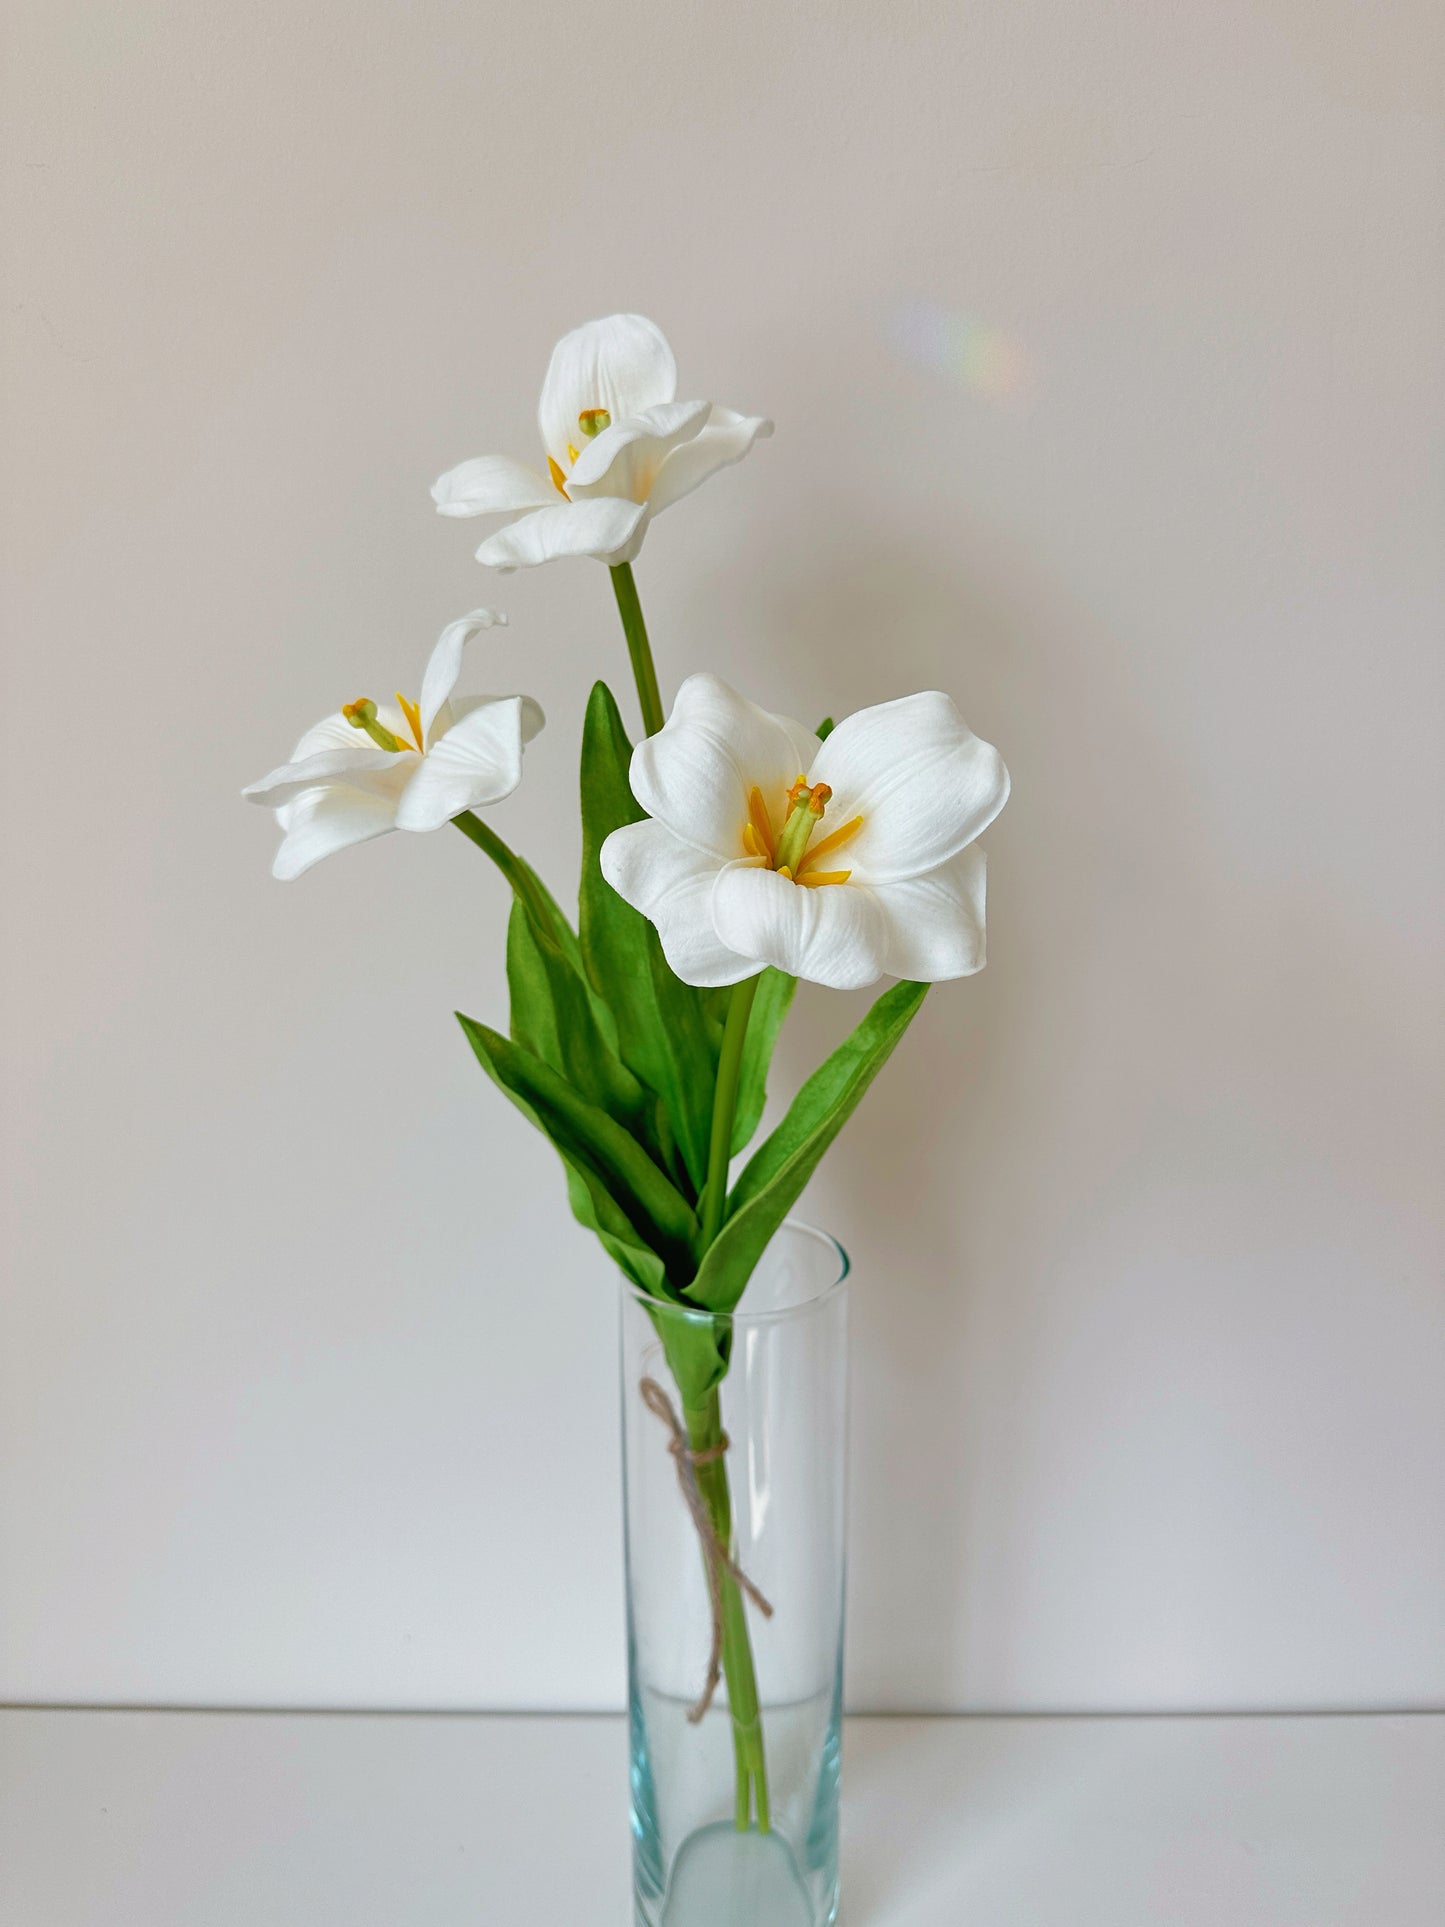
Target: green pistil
(805,810)
(362,715)
(592,421)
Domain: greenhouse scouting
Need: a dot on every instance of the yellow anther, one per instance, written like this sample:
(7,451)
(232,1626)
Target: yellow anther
(572,453)
(835,841)
(412,713)
(761,825)
(784,871)
(813,879)
(559,480)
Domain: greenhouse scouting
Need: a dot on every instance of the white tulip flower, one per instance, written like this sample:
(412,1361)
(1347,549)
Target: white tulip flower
(619,449)
(370,767)
(839,861)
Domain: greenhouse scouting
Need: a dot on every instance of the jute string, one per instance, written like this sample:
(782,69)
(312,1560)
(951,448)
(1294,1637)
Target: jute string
(716,1558)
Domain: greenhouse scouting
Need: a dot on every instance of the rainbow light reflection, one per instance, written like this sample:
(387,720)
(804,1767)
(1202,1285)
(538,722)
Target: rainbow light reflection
(984,360)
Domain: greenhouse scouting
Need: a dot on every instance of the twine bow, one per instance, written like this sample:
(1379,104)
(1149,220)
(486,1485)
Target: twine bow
(716,1558)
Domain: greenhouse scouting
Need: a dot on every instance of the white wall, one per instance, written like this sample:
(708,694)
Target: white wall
(308,1386)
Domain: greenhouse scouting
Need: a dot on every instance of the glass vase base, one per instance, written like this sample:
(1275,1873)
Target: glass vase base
(723,1878)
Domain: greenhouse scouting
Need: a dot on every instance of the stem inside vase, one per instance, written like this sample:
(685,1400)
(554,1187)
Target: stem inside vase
(705,1432)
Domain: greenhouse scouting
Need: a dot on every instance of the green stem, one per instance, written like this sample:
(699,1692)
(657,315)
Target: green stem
(705,1433)
(724,1106)
(507,861)
(644,672)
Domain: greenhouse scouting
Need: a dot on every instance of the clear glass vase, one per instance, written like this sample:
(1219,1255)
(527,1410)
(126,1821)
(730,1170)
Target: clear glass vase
(734,1433)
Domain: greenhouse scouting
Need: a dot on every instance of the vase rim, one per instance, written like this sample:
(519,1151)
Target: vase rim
(805,1307)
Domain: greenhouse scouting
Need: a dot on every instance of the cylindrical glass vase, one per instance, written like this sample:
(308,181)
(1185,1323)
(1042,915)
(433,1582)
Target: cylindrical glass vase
(734,1434)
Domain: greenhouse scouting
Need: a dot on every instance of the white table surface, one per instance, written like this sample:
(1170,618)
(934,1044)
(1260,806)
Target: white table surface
(127,1819)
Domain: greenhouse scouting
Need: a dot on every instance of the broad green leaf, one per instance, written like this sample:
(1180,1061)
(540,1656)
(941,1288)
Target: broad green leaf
(557,1017)
(620,1179)
(777,1172)
(667,1033)
(770,1007)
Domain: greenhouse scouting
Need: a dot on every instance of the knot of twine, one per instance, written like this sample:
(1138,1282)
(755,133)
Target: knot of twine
(716,1558)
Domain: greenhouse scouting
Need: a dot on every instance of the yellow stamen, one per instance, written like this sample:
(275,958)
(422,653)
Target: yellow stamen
(761,825)
(572,453)
(826,845)
(786,873)
(412,713)
(813,879)
(559,480)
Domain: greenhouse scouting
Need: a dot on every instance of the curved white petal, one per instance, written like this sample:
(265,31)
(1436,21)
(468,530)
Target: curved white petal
(332,732)
(621,363)
(936,922)
(696,772)
(604,527)
(625,458)
(352,766)
(671,884)
(533,720)
(923,783)
(319,822)
(834,935)
(491,485)
(726,438)
(444,664)
(478,761)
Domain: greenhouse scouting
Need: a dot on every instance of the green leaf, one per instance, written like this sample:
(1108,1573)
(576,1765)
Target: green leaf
(770,1007)
(557,1016)
(615,1188)
(825,729)
(777,1172)
(667,1032)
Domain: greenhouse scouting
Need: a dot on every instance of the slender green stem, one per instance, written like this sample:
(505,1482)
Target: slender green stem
(644,672)
(507,861)
(724,1106)
(705,1433)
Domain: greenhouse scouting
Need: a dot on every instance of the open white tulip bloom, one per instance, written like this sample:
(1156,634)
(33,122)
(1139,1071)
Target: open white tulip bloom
(372,767)
(618,446)
(839,861)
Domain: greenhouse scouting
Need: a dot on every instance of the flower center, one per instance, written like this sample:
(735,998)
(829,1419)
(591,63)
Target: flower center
(362,715)
(791,850)
(590,422)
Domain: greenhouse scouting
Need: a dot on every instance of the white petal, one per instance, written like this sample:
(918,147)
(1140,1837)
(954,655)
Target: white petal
(923,783)
(936,922)
(319,822)
(478,761)
(671,884)
(332,732)
(533,720)
(833,935)
(604,527)
(625,458)
(726,439)
(621,363)
(695,774)
(445,663)
(352,766)
(491,485)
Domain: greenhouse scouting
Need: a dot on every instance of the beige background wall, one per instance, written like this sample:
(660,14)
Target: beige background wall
(1103,343)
